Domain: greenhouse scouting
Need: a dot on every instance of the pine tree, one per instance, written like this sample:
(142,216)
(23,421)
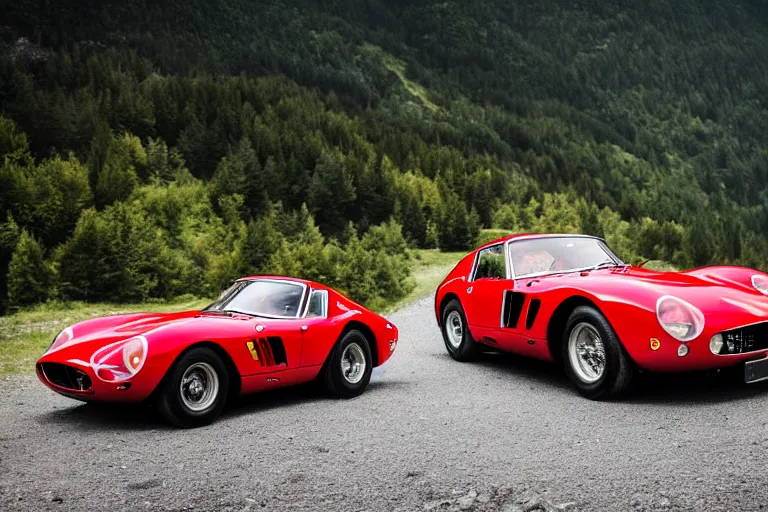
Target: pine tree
(262,241)
(30,278)
(331,193)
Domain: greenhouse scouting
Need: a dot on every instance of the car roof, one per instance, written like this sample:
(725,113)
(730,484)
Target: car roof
(289,279)
(533,236)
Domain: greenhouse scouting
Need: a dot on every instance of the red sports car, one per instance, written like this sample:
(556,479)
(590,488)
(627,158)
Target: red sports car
(570,299)
(264,332)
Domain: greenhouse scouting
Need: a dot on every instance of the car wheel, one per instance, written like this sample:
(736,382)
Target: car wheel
(195,390)
(458,340)
(595,360)
(348,369)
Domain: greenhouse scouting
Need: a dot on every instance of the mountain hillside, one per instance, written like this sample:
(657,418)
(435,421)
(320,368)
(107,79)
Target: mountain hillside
(644,122)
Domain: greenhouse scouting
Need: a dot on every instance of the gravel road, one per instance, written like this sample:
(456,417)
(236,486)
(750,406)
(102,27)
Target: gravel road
(502,433)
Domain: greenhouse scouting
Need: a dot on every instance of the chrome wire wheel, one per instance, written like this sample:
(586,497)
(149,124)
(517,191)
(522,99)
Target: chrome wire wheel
(199,387)
(586,353)
(454,329)
(353,363)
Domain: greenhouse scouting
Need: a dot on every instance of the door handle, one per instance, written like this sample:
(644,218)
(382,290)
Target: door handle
(531,282)
(469,290)
(304,327)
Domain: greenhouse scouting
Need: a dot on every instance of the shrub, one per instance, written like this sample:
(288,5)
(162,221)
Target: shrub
(125,160)
(29,276)
(387,237)
(489,235)
(369,271)
(116,255)
(458,228)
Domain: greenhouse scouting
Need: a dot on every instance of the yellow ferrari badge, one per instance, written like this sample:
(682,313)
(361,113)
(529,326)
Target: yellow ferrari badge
(252,350)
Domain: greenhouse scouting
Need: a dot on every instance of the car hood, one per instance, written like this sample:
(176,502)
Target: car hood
(712,289)
(89,336)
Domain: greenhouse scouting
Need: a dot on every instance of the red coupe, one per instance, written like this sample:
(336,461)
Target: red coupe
(570,299)
(262,333)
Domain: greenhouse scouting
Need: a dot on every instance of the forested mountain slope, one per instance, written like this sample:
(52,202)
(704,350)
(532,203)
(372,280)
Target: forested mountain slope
(644,122)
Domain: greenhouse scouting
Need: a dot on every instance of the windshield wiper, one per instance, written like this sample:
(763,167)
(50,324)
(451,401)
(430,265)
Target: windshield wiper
(216,312)
(246,313)
(603,265)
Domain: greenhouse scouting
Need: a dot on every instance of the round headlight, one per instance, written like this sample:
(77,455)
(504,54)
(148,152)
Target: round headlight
(716,344)
(760,282)
(134,354)
(63,337)
(679,319)
(120,361)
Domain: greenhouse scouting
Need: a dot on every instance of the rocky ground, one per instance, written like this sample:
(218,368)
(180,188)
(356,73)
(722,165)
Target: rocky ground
(501,434)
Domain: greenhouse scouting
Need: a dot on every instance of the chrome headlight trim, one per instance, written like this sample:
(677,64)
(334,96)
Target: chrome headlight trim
(696,325)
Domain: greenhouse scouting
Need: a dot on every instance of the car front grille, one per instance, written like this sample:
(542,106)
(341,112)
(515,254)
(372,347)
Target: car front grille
(66,377)
(745,339)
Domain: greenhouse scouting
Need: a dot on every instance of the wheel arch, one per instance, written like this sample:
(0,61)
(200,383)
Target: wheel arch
(365,331)
(559,319)
(448,297)
(235,381)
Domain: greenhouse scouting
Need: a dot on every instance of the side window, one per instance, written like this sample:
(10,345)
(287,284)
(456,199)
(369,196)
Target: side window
(318,304)
(490,264)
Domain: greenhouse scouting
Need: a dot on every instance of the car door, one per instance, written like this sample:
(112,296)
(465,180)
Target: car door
(276,345)
(486,290)
(318,333)
(496,304)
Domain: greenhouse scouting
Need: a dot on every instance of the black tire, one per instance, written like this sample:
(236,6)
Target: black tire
(353,344)
(468,348)
(171,403)
(619,369)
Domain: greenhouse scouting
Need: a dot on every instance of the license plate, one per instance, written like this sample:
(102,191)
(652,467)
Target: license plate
(755,371)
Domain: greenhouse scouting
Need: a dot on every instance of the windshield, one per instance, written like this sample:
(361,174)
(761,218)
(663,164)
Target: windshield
(260,297)
(558,254)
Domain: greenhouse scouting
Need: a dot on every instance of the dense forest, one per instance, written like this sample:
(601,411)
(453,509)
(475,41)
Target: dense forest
(157,149)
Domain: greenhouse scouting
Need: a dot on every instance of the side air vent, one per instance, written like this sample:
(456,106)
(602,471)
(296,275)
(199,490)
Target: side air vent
(268,351)
(278,351)
(512,308)
(533,310)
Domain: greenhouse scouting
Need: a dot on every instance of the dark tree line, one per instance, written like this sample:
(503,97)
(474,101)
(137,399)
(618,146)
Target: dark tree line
(161,142)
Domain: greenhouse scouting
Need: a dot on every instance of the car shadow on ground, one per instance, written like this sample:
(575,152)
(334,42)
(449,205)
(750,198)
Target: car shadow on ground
(647,388)
(298,395)
(519,367)
(698,388)
(97,416)
(104,416)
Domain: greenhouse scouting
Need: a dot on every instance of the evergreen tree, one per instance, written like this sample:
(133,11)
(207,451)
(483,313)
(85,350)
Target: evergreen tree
(262,241)
(30,278)
(331,193)
(458,228)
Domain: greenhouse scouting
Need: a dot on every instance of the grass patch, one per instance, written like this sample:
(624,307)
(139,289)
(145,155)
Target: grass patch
(24,336)
(430,267)
(398,67)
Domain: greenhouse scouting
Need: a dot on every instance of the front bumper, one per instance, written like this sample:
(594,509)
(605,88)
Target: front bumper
(77,380)
(666,358)
(756,371)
